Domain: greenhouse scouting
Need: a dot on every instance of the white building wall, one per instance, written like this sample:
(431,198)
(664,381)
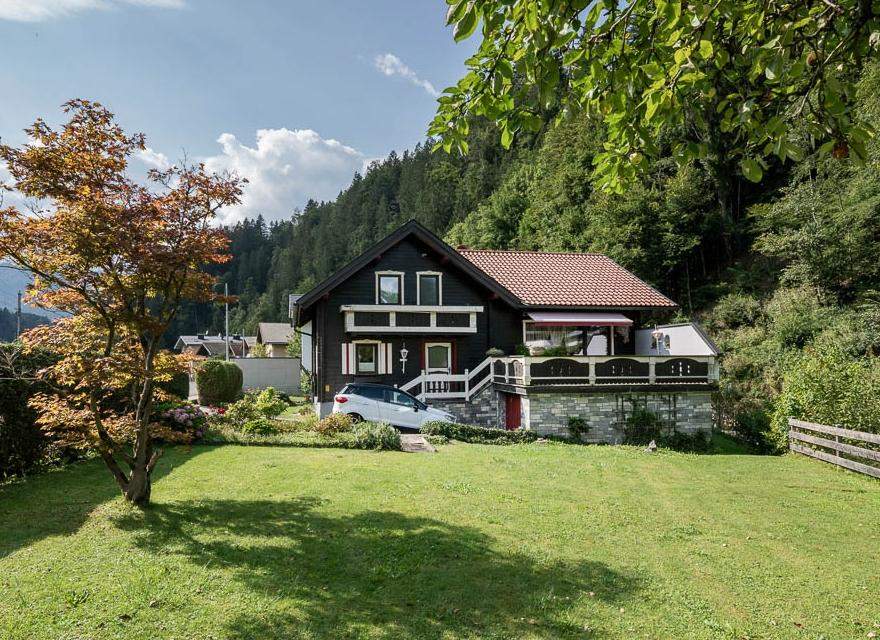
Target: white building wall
(281,373)
(684,340)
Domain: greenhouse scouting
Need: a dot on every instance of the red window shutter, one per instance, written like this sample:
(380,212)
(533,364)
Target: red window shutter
(454,348)
(421,356)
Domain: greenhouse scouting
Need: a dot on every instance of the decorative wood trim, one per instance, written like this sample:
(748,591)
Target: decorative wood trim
(414,308)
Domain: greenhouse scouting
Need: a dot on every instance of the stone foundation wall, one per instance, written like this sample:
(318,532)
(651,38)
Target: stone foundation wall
(486,409)
(606,413)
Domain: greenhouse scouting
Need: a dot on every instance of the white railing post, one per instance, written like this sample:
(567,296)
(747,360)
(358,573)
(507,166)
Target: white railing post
(591,371)
(652,376)
(527,372)
(467,384)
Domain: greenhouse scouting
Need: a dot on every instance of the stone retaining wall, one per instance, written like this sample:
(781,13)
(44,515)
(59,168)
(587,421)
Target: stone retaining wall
(486,409)
(606,413)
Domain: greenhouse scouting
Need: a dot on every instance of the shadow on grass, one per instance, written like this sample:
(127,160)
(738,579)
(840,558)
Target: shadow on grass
(58,502)
(376,574)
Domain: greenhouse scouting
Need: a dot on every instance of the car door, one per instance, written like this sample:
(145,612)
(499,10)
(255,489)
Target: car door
(400,409)
(365,402)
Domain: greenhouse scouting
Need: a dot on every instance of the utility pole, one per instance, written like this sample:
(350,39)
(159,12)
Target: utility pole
(226,305)
(18,317)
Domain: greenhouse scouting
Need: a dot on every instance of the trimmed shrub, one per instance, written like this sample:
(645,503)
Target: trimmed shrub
(334,423)
(218,382)
(479,435)
(379,436)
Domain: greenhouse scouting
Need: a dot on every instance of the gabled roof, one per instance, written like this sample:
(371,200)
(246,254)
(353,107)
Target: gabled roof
(274,332)
(411,228)
(540,278)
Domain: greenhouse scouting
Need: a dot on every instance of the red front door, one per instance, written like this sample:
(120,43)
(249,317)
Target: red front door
(512,411)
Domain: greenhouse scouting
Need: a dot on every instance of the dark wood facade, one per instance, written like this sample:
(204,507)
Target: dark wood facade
(498,325)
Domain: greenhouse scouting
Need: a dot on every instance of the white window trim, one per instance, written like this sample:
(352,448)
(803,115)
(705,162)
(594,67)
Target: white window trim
(419,275)
(400,275)
(448,346)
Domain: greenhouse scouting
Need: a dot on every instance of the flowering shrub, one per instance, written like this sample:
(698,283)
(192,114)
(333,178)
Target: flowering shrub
(179,422)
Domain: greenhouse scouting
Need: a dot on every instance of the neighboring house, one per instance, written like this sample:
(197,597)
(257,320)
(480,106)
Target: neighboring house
(275,336)
(207,346)
(517,339)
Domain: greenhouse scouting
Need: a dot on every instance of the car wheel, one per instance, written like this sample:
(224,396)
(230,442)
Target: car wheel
(356,417)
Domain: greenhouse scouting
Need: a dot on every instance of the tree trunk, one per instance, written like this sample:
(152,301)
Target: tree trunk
(140,485)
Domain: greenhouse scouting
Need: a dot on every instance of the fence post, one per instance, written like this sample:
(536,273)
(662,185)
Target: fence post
(467,384)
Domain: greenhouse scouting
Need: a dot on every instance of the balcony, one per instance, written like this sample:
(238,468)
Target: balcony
(557,372)
(421,319)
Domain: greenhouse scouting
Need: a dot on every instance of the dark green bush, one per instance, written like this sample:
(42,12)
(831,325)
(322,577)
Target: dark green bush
(378,436)
(642,426)
(23,446)
(752,426)
(178,385)
(480,435)
(218,382)
(698,442)
(578,427)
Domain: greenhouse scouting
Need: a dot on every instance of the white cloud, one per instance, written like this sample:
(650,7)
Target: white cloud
(391,65)
(153,159)
(284,170)
(38,10)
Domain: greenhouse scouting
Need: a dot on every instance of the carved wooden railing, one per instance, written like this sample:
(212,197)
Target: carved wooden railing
(566,371)
(604,370)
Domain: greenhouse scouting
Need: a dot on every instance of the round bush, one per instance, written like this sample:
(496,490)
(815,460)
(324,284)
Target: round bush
(218,382)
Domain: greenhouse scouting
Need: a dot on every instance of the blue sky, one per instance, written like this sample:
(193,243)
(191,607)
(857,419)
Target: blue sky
(295,95)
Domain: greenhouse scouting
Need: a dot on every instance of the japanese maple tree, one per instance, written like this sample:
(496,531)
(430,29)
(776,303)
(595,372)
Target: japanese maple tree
(118,257)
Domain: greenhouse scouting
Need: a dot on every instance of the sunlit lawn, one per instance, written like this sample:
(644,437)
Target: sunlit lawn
(533,541)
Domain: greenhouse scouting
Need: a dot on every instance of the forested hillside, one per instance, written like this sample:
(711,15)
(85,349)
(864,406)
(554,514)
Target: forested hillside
(775,270)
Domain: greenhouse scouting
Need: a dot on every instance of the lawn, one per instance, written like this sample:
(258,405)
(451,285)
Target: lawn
(527,541)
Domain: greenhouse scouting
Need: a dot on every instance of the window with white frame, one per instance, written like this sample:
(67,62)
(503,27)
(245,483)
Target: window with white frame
(389,287)
(366,359)
(429,288)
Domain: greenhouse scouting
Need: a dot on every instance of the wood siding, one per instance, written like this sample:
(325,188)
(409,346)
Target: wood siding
(410,257)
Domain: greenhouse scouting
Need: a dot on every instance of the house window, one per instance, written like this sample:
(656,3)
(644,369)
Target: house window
(389,288)
(438,356)
(366,359)
(429,288)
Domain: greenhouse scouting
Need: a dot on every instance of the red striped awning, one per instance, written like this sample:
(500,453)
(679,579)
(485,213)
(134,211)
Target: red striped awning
(579,319)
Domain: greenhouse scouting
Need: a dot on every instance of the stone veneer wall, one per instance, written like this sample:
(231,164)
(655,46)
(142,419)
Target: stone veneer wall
(486,409)
(606,413)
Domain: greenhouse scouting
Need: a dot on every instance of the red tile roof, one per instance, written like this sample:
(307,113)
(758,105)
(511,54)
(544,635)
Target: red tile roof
(566,279)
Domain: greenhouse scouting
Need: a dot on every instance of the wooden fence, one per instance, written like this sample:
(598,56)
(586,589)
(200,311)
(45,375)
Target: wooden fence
(836,451)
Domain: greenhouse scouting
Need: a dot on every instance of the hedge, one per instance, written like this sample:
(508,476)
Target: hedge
(218,382)
(477,435)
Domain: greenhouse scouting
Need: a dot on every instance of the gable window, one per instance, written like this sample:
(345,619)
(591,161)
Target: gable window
(366,358)
(429,291)
(389,288)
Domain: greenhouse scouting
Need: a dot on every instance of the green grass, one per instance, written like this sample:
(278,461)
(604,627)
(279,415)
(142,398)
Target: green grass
(528,541)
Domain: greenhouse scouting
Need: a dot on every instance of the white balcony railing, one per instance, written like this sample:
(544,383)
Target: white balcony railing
(567,371)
